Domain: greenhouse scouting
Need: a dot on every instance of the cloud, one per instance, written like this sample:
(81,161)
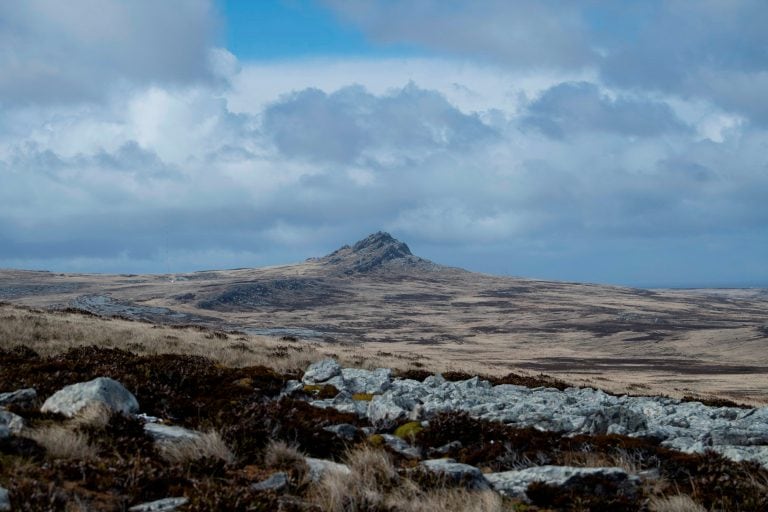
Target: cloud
(351,124)
(578,107)
(54,52)
(706,49)
(526,33)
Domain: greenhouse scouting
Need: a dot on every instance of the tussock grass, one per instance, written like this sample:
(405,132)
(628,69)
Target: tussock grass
(281,455)
(63,442)
(374,484)
(207,445)
(677,503)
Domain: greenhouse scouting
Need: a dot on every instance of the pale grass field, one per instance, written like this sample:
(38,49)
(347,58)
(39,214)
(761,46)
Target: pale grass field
(50,332)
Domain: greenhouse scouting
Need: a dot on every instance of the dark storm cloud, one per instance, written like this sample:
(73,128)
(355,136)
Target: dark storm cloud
(578,107)
(351,122)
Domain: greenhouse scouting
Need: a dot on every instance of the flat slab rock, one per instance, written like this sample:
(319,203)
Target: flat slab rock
(170,433)
(108,392)
(164,505)
(515,483)
(468,475)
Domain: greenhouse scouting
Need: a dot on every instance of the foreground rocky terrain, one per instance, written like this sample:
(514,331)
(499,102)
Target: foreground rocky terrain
(375,296)
(106,429)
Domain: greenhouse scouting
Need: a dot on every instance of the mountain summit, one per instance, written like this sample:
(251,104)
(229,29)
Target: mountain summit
(376,251)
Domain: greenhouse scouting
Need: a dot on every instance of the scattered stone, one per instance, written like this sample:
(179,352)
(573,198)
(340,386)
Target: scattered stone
(12,422)
(5,500)
(401,447)
(445,449)
(515,483)
(164,505)
(319,467)
(465,474)
(321,371)
(344,430)
(20,396)
(276,482)
(170,433)
(73,398)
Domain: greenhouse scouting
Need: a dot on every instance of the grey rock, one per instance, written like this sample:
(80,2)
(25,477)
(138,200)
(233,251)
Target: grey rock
(276,482)
(614,420)
(320,467)
(170,433)
(387,408)
(13,422)
(164,505)
(5,500)
(401,447)
(353,380)
(321,371)
(4,432)
(445,449)
(515,483)
(468,475)
(291,387)
(73,398)
(343,430)
(18,397)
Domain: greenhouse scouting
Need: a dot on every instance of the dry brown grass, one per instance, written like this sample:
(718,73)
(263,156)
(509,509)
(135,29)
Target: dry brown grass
(677,503)
(281,455)
(207,445)
(373,483)
(54,332)
(63,442)
(623,459)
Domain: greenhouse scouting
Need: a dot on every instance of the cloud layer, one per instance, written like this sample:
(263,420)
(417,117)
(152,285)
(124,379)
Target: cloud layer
(535,138)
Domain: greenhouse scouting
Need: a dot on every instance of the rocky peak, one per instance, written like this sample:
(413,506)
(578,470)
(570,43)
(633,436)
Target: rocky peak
(373,252)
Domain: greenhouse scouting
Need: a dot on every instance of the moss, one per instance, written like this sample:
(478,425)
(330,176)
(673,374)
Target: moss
(408,431)
(376,440)
(363,397)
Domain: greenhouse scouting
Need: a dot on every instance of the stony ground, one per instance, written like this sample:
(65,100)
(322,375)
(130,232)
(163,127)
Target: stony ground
(204,436)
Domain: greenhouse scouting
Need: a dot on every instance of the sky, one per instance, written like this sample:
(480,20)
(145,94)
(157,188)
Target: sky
(613,142)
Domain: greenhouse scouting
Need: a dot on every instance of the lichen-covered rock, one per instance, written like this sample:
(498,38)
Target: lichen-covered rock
(321,371)
(164,505)
(105,391)
(20,396)
(515,483)
(10,421)
(465,474)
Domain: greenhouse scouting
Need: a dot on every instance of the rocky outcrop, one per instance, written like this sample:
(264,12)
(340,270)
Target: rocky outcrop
(100,391)
(377,251)
(692,427)
(321,371)
(10,422)
(515,483)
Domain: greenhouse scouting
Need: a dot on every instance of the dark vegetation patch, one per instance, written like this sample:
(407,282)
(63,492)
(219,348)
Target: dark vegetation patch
(627,364)
(288,293)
